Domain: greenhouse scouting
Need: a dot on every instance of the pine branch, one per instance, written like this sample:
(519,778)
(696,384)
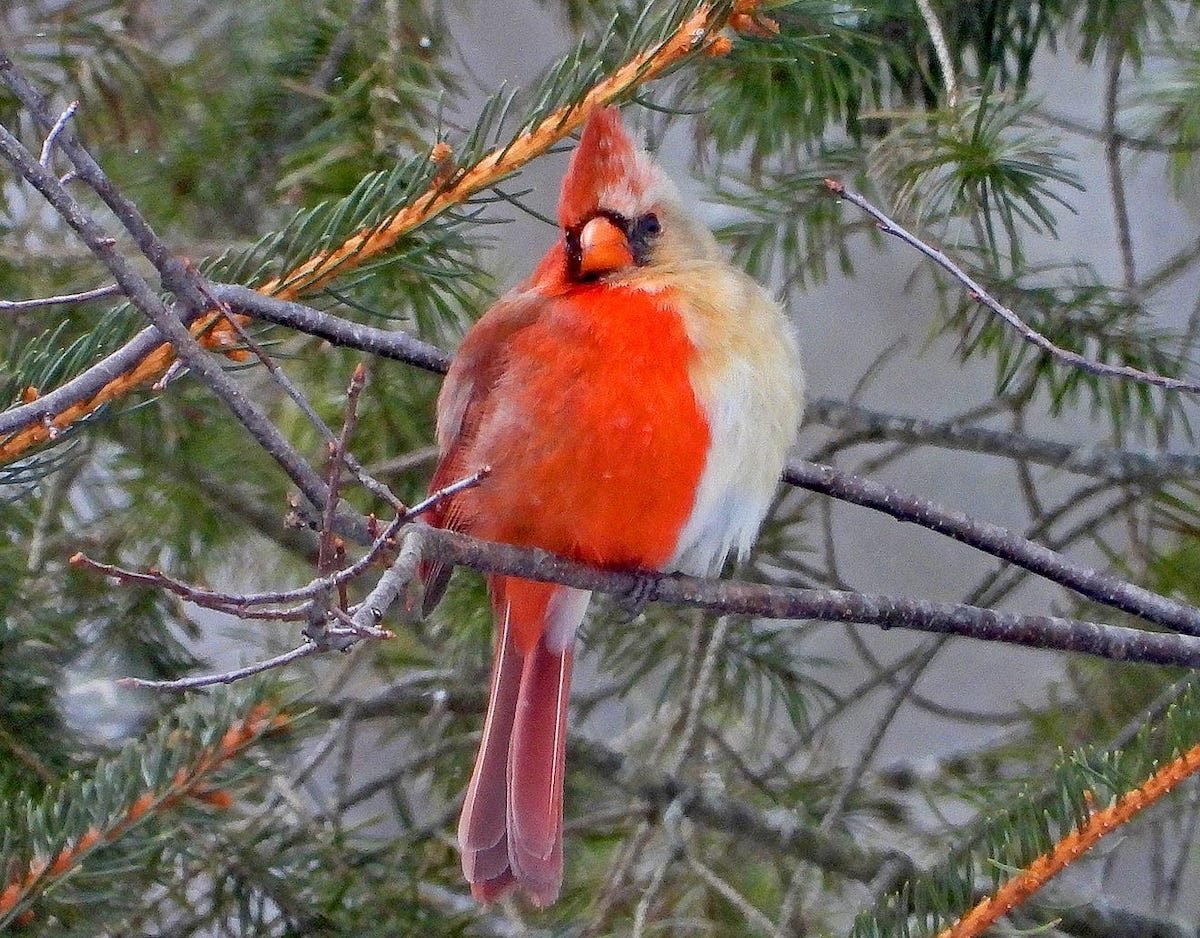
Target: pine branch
(1071,847)
(59,833)
(1009,856)
(455,185)
(698,30)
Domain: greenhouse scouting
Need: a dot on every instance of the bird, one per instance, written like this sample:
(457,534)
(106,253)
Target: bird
(632,403)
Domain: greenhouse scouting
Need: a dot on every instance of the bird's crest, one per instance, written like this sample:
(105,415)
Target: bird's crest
(607,171)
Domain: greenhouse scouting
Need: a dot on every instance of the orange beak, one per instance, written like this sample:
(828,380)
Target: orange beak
(603,248)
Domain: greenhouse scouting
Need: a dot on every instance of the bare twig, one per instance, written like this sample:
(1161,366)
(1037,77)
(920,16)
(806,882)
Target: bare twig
(942,48)
(978,293)
(1105,462)
(1112,160)
(66,299)
(882,723)
(750,912)
(387,343)
(787,834)
(242,605)
(337,454)
(225,677)
(231,603)
(55,132)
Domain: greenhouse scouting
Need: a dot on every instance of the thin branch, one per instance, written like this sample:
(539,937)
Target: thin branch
(789,835)
(942,48)
(982,296)
(1104,462)
(137,362)
(241,604)
(79,397)
(997,541)
(230,603)
(882,724)
(1112,160)
(387,343)
(55,132)
(66,299)
(225,677)
(1126,140)
(337,454)
(749,911)
(174,271)
(324,77)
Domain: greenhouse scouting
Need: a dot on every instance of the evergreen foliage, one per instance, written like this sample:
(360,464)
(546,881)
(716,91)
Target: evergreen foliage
(724,779)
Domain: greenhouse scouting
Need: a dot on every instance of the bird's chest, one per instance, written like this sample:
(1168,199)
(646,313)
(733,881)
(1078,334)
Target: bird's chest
(597,440)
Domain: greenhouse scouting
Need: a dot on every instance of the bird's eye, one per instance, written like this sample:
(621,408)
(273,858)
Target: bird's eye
(648,225)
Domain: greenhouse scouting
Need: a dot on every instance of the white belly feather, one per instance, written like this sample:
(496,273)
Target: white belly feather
(748,380)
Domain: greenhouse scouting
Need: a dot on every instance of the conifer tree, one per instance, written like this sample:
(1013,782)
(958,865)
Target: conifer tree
(238,245)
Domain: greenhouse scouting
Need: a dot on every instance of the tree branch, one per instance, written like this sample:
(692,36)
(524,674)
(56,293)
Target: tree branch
(997,541)
(1116,643)
(982,296)
(1103,462)
(387,343)
(168,325)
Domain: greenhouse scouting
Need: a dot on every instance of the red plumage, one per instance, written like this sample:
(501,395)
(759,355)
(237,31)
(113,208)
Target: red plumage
(592,400)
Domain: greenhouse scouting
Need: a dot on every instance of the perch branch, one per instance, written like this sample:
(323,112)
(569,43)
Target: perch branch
(1116,643)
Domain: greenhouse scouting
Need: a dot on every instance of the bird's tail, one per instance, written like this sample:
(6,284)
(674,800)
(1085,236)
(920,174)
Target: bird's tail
(510,833)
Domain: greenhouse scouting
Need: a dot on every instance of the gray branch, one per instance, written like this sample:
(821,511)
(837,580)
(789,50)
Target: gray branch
(1099,461)
(997,541)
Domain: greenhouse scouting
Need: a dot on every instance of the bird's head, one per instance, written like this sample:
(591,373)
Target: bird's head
(619,211)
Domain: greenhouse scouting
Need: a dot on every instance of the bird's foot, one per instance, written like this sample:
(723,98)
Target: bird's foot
(632,603)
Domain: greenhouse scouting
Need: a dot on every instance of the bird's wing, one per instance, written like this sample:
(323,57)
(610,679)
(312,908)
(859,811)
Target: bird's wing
(477,369)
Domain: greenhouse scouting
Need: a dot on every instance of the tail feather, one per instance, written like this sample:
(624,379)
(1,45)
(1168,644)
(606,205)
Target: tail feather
(536,761)
(510,833)
(483,827)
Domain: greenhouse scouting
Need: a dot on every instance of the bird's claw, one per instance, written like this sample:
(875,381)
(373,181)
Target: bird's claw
(632,603)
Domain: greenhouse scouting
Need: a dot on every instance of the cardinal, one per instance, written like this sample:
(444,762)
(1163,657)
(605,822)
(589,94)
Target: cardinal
(635,399)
